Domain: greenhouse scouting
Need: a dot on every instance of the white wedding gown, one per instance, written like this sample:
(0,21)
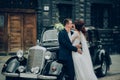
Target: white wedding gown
(82,62)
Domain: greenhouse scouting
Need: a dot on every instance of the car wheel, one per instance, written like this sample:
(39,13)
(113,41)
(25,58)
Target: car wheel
(102,71)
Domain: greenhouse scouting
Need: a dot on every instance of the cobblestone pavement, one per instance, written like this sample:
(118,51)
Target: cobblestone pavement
(112,77)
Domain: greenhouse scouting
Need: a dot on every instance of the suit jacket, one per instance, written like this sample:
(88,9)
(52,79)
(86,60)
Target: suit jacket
(65,46)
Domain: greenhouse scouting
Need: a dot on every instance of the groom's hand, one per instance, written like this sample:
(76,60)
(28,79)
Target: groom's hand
(79,51)
(79,46)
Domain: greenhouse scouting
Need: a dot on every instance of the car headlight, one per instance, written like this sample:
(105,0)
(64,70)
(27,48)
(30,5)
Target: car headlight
(35,70)
(48,55)
(19,53)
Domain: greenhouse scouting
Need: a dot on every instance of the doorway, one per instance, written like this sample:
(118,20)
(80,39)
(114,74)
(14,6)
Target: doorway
(21,31)
(65,11)
(2,34)
(101,15)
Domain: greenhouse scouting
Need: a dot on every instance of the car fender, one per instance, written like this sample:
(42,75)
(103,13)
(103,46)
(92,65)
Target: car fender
(55,68)
(12,64)
(101,52)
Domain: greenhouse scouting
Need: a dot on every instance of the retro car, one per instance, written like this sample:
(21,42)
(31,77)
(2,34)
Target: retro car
(42,63)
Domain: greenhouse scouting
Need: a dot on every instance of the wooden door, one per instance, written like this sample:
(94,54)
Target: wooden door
(2,33)
(15,30)
(29,30)
(1,39)
(21,31)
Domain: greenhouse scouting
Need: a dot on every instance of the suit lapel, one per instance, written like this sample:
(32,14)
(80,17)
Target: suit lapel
(66,35)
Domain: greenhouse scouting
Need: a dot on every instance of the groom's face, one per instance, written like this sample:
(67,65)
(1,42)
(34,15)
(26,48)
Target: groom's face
(70,24)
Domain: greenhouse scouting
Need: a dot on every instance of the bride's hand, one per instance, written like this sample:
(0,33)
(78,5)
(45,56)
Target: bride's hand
(79,51)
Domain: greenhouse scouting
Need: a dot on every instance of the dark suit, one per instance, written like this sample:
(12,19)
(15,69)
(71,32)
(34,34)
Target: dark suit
(65,54)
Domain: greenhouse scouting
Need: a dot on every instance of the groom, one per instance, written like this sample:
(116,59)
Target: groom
(65,51)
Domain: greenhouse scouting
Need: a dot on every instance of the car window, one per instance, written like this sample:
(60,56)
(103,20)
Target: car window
(50,35)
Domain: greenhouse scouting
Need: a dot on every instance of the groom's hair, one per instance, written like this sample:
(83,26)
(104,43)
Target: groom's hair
(78,25)
(66,21)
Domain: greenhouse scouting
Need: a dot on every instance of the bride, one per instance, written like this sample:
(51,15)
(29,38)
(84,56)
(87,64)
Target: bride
(82,62)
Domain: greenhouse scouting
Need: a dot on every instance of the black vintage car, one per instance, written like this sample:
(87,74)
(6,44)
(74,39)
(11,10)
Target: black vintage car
(41,62)
(100,57)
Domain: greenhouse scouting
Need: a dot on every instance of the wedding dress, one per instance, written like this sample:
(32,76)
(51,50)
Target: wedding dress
(82,62)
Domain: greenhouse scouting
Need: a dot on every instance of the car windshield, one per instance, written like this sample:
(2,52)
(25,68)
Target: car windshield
(50,35)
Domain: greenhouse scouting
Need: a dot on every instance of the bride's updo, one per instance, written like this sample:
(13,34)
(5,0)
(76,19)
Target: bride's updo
(79,24)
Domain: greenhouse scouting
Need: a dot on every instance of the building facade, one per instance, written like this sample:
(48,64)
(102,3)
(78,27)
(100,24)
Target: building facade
(22,21)
(102,14)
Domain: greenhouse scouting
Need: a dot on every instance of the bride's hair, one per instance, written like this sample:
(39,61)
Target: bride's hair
(79,24)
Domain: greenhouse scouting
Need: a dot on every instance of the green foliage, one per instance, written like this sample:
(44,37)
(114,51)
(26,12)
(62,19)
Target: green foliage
(59,26)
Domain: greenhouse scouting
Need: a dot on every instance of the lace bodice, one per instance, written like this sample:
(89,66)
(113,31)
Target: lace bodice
(75,38)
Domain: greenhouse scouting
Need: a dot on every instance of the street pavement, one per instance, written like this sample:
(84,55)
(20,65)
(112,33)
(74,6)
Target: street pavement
(113,74)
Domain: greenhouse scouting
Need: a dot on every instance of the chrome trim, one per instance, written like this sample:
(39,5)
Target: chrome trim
(11,74)
(46,77)
(96,67)
(36,76)
(29,75)
(52,48)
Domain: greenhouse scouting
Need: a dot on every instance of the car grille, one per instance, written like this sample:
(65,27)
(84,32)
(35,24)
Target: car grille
(35,59)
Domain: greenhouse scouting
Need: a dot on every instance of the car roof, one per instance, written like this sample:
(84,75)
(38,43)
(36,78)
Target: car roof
(90,28)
